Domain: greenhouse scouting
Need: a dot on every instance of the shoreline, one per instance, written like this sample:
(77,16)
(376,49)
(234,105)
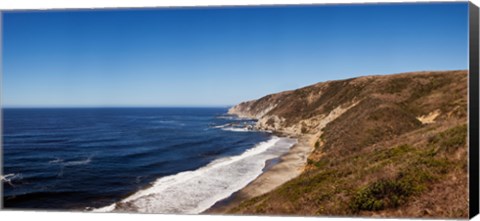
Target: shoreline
(290,165)
(141,200)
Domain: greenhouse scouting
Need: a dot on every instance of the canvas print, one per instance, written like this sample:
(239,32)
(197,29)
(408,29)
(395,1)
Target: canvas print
(306,110)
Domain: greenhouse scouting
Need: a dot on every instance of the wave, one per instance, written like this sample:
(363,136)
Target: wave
(235,127)
(193,192)
(169,122)
(10,178)
(57,160)
(62,162)
(78,162)
(238,129)
(221,126)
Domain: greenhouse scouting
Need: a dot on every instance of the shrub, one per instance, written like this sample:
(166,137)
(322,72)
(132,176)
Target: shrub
(451,139)
(322,162)
(381,194)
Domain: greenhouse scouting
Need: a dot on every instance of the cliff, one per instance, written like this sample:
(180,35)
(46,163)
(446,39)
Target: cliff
(389,145)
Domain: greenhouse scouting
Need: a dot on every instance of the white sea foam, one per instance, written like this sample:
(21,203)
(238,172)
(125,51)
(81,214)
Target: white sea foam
(9,178)
(57,160)
(221,126)
(237,129)
(71,163)
(78,162)
(227,117)
(193,192)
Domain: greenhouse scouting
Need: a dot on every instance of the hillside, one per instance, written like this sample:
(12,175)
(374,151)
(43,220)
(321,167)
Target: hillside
(390,145)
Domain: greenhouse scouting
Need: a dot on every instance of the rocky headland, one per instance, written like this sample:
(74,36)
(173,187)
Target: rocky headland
(385,145)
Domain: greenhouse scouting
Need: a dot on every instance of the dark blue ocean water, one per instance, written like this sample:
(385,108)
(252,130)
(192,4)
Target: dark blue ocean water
(92,157)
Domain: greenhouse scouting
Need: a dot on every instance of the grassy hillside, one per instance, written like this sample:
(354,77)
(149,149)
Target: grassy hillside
(392,145)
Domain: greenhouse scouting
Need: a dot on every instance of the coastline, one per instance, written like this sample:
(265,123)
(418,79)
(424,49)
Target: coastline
(237,172)
(275,172)
(290,165)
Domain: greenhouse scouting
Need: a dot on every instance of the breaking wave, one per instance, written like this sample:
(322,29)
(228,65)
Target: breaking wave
(238,129)
(11,178)
(193,192)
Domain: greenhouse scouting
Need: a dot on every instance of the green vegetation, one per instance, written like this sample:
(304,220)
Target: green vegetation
(423,170)
(373,135)
(413,179)
(319,141)
(332,186)
(450,140)
(392,153)
(322,162)
(381,194)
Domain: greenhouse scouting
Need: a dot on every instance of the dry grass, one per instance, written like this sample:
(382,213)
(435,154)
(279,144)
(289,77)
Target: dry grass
(377,158)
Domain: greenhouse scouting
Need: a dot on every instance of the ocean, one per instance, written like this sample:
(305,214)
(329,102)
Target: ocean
(160,160)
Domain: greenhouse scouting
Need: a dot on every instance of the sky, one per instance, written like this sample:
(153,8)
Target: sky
(217,56)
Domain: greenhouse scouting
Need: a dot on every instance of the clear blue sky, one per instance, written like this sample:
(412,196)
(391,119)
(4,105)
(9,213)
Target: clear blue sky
(218,56)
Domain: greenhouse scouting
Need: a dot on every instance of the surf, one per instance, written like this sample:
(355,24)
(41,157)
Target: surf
(193,192)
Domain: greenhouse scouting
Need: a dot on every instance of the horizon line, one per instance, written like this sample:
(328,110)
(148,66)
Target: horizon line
(80,107)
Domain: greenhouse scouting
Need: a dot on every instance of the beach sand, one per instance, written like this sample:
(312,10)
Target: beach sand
(290,166)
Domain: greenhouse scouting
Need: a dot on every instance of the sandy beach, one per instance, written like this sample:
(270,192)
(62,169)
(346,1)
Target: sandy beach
(290,166)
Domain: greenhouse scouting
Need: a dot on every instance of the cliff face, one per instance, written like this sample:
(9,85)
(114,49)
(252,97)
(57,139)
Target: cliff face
(408,119)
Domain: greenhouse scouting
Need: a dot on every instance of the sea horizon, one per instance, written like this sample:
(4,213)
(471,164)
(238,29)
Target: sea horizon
(113,107)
